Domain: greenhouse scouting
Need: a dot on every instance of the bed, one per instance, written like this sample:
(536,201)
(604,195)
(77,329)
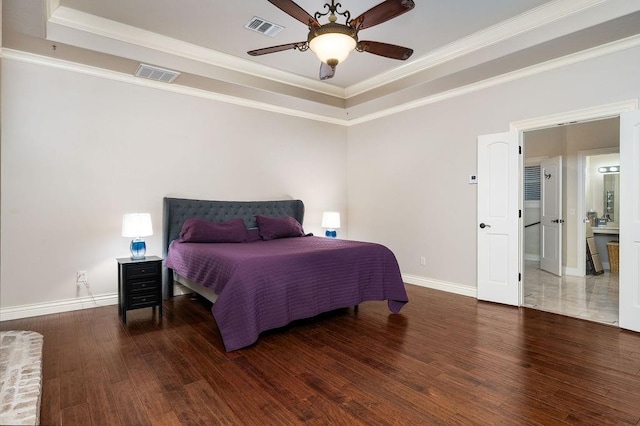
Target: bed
(268,280)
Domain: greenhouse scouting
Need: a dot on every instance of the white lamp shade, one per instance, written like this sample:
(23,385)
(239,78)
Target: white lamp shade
(332,46)
(331,220)
(136,225)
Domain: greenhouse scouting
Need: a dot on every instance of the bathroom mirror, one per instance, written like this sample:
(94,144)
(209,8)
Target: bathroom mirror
(610,201)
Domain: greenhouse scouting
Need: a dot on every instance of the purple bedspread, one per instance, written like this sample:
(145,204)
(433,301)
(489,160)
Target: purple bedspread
(267,284)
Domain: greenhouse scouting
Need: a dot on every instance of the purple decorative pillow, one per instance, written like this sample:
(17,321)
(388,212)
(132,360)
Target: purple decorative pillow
(253,234)
(204,231)
(280,227)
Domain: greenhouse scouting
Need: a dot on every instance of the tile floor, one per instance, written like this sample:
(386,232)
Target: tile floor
(594,297)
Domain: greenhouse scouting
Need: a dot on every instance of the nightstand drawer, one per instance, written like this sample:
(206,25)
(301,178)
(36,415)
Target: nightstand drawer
(139,270)
(144,285)
(139,284)
(143,300)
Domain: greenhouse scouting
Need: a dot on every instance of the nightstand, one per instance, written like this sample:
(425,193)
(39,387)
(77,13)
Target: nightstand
(139,284)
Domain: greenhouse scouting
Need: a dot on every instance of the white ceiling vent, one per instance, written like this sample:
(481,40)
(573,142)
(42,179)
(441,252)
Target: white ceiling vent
(155,73)
(262,26)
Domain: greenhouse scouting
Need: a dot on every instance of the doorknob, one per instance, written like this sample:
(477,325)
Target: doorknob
(484,225)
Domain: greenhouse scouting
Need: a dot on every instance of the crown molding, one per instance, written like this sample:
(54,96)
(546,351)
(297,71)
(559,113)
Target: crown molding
(585,55)
(106,28)
(527,21)
(596,52)
(175,88)
(533,19)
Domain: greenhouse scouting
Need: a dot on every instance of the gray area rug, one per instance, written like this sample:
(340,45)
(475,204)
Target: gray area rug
(20,377)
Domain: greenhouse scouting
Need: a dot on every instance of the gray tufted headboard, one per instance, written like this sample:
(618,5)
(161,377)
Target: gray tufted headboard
(177,210)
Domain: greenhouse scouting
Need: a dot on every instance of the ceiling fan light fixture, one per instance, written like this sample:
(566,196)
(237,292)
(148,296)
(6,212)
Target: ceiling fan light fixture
(332,43)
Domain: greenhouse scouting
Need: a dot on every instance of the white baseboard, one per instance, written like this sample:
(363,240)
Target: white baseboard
(573,272)
(463,290)
(36,309)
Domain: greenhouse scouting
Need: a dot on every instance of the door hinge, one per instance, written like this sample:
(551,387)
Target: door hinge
(519,213)
(519,277)
(519,150)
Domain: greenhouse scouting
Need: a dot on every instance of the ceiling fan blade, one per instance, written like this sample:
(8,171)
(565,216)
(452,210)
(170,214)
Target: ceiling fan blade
(384,49)
(381,13)
(274,49)
(326,71)
(295,11)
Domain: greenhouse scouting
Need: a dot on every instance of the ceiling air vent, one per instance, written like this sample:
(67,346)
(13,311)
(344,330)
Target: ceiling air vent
(262,26)
(155,73)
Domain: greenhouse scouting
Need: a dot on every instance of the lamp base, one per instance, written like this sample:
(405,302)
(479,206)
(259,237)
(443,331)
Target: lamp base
(138,248)
(331,233)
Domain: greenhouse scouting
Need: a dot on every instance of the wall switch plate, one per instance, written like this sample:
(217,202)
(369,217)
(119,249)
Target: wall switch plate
(423,260)
(473,179)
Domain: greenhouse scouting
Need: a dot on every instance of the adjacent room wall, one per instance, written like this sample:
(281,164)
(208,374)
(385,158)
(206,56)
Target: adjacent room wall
(79,151)
(408,173)
(568,140)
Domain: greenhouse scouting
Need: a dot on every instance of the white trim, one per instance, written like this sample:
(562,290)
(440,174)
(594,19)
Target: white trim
(184,90)
(460,289)
(574,272)
(606,49)
(527,21)
(37,309)
(604,111)
(530,20)
(102,27)
(586,114)
(532,257)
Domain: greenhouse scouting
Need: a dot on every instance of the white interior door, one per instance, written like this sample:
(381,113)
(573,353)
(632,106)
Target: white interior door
(551,215)
(498,251)
(630,220)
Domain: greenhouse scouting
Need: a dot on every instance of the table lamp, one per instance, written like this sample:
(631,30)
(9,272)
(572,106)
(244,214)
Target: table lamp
(331,221)
(136,226)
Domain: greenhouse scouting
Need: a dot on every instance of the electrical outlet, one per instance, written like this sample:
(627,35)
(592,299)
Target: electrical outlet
(423,260)
(81,277)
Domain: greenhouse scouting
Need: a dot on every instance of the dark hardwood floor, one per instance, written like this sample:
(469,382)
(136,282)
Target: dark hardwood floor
(447,359)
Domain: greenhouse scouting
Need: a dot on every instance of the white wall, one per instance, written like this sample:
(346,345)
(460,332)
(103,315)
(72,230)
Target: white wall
(408,173)
(79,151)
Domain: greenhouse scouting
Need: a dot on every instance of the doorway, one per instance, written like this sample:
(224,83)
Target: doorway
(570,289)
(499,255)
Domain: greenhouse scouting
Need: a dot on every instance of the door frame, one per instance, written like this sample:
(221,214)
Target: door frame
(568,117)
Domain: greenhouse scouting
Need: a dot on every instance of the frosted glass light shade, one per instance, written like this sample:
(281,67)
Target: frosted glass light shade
(136,225)
(332,47)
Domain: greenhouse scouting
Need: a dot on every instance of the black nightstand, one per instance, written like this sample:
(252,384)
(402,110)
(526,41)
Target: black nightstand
(139,284)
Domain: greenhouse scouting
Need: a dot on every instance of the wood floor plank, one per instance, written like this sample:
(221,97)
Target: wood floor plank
(77,415)
(130,409)
(50,412)
(446,359)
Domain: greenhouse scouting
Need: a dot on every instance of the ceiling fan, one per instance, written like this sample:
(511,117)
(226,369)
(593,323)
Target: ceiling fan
(332,42)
